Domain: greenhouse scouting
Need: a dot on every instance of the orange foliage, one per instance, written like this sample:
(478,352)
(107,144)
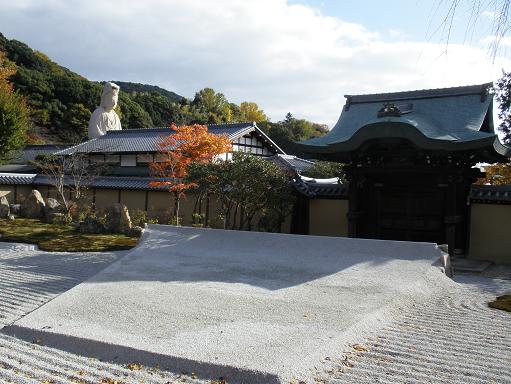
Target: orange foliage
(5,73)
(496,174)
(176,151)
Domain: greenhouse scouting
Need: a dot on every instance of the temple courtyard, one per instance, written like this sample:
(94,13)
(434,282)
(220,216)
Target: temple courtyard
(194,305)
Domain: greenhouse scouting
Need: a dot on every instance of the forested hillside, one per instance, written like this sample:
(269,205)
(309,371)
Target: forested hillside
(134,88)
(61,103)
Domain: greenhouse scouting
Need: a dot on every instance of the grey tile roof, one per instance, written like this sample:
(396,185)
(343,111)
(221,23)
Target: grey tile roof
(491,193)
(292,163)
(104,182)
(109,182)
(478,193)
(144,140)
(17,178)
(30,152)
(17,168)
(420,94)
(319,189)
(443,119)
(132,183)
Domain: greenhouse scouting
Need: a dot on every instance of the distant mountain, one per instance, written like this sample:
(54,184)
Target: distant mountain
(129,87)
(62,101)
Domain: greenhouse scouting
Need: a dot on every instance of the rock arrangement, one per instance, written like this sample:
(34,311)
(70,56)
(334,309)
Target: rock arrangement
(91,225)
(5,209)
(50,210)
(33,206)
(53,210)
(118,218)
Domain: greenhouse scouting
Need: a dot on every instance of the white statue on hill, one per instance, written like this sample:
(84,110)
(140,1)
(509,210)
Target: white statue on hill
(104,118)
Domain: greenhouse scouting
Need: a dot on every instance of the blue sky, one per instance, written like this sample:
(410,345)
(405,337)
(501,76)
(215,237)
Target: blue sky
(298,56)
(414,20)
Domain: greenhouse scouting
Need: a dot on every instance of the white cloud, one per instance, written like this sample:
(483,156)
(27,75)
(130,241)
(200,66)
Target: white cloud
(488,14)
(396,34)
(287,58)
(503,42)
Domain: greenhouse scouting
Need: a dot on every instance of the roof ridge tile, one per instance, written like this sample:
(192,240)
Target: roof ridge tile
(419,93)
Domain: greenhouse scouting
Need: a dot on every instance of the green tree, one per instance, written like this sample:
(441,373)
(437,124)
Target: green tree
(76,121)
(14,113)
(503,96)
(284,133)
(326,170)
(252,192)
(211,107)
(250,111)
(132,114)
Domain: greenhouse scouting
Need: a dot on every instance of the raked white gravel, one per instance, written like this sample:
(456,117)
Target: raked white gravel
(452,338)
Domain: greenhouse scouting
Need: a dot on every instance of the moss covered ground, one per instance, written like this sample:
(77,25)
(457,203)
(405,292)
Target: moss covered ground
(502,302)
(61,237)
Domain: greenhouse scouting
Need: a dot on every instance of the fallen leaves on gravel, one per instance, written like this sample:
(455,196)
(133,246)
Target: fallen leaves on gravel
(360,348)
(135,366)
(108,380)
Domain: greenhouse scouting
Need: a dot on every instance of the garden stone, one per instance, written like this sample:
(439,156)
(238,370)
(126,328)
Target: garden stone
(135,231)
(91,225)
(118,218)
(33,206)
(52,207)
(15,209)
(4,207)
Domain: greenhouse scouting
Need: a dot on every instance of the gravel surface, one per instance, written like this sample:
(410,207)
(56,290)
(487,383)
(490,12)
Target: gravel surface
(249,306)
(448,339)
(30,278)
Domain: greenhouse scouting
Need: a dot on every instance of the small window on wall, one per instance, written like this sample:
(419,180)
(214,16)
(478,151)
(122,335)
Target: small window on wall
(128,161)
(112,158)
(144,158)
(160,158)
(97,158)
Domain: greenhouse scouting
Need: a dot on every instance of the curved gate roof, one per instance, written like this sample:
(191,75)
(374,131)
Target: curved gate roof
(449,119)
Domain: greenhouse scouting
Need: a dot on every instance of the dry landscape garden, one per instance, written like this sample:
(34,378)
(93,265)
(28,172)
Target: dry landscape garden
(146,237)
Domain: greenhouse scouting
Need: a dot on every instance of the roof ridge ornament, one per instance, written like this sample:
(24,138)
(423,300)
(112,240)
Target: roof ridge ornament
(388,110)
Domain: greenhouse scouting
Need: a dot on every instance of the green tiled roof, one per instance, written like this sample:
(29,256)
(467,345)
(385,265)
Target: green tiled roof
(452,119)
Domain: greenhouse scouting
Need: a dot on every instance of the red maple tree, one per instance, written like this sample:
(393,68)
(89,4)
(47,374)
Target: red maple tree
(177,150)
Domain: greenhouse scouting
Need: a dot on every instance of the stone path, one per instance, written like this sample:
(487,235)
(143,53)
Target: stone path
(452,339)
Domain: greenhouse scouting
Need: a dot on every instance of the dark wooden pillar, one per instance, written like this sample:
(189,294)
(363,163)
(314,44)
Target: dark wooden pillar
(355,200)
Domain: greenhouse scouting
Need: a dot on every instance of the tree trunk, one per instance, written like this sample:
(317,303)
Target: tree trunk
(176,207)
(235,216)
(206,219)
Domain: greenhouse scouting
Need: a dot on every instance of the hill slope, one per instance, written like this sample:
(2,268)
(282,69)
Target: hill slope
(130,87)
(62,101)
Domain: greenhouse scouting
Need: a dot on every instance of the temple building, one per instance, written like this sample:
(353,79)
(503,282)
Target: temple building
(126,154)
(411,160)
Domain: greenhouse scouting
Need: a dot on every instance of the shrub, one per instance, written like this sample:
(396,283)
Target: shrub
(139,217)
(198,220)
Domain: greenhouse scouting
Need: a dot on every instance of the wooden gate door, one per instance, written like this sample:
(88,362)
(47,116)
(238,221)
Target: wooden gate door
(409,213)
